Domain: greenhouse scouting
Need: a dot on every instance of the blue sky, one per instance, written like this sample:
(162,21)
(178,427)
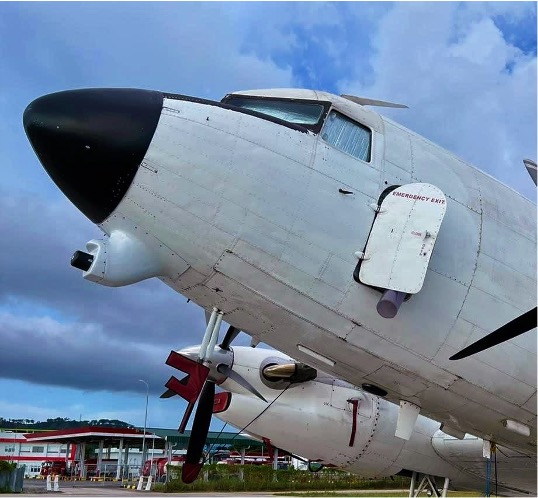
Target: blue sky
(72,348)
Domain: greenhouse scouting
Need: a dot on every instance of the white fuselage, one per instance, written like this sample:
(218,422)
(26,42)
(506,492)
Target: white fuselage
(252,213)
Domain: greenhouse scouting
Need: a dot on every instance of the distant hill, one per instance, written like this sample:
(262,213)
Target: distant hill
(59,423)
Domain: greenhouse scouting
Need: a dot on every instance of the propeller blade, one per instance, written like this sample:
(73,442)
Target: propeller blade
(186,417)
(200,427)
(231,334)
(231,374)
(167,394)
(377,103)
(531,168)
(517,326)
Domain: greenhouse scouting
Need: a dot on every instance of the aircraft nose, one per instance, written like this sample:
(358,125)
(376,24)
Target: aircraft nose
(92,141)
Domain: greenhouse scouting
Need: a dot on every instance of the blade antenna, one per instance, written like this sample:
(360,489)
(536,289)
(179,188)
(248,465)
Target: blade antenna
(517,326)
(373,102)
(531,168)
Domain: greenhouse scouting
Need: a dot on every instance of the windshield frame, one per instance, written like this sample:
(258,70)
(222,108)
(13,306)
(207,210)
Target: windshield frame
(315,128)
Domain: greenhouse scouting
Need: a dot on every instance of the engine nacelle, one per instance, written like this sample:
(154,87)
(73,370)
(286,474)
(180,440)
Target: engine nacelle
(321,426)
(326,420)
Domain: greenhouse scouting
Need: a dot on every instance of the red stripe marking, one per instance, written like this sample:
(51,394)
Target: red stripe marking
(222,402)
(33,458)
(355,403)
(84,432)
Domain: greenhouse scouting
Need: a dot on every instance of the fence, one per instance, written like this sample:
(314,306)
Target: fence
(12,480)
(109,471)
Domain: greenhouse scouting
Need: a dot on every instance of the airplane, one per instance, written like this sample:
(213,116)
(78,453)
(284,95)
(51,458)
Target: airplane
(320,228)
(296,408)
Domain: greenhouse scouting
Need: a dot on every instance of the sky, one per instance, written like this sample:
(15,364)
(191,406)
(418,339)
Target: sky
(72,348)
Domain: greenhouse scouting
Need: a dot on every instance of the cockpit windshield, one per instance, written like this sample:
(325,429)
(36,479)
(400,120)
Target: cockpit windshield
(308,114)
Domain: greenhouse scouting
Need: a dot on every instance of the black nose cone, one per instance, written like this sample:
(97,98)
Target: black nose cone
(91,142)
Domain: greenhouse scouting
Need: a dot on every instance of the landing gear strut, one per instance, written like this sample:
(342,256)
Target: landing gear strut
(428,484)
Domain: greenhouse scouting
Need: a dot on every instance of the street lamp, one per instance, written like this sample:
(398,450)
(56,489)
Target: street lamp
(145,422)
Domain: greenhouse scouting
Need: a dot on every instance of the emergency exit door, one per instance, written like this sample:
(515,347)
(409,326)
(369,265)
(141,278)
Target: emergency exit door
(402,238)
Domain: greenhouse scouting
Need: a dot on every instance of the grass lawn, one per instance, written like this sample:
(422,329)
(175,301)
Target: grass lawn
(369,492)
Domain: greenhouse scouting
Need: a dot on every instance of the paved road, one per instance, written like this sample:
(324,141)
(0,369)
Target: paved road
(83,489)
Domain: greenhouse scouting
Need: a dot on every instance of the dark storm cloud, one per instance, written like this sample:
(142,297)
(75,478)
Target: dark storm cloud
(45,351)
(57,322)
(38,241)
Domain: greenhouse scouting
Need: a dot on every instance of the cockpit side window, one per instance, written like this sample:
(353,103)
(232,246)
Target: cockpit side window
(348,136)
(306,113)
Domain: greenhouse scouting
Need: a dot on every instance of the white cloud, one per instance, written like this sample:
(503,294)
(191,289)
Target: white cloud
(469,89)
(484,45)
(29,410)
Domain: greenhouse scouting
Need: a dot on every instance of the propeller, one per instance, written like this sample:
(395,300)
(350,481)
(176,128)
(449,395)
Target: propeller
(517,326)
(167,394)
(203,372)
(232,374)
(200,428)
(377,103)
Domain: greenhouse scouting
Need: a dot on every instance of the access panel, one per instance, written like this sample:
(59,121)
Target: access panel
(402,238)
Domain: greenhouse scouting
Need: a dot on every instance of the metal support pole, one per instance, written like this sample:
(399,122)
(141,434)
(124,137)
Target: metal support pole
(67,450)
(413,485)
(82,453)
(421,486)
(445,487)
(120,454)
(152,456)
(275,459)
(242,471)
(169,461)
(99,458)
(126,462)
(433,485)
(275,463)
(145,423)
